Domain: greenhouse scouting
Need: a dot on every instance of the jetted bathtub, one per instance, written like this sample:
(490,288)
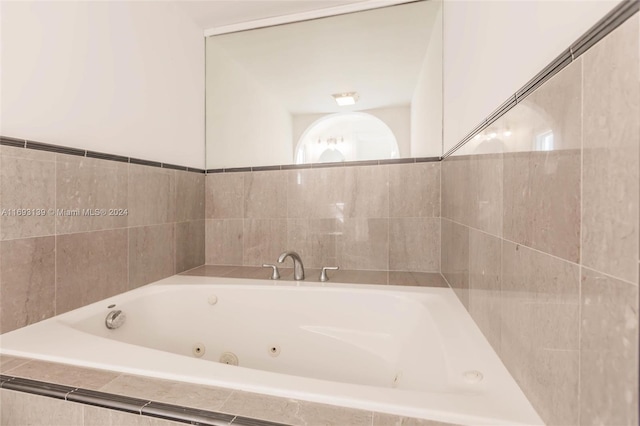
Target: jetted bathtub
(410,351)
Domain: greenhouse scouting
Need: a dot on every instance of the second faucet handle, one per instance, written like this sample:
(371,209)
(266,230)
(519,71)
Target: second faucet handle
(275,274)
(323,274)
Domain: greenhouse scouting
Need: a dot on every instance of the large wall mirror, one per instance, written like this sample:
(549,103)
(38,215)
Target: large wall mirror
(359,86)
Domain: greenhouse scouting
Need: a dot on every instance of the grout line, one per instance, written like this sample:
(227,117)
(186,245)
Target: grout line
(55,237)
(545,253)
(227,399)
(1,222)
(388,223)
(244,219)
(513,242)
(174,179)
(442,91)
(580,257)
(128,261)
(581,243)
(608,276)
(501,298)
(81,232)
(447,281)
(7,372)
(579,339)
(128,232)
(110,381)
(441,250)
(440,206)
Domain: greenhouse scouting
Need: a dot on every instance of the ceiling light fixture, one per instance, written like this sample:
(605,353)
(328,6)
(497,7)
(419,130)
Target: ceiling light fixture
(343,99)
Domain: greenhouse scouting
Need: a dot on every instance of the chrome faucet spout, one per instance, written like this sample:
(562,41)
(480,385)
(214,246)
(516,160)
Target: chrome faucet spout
(298,267)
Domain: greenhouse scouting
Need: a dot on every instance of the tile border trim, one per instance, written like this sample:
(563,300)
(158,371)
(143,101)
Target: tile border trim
(59,149)
(127,404)
(27,144)
(327,165)
(612,20)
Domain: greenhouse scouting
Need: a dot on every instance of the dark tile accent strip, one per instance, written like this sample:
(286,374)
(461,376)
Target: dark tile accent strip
(55,148)
(601,29)
(145,162)
(295,166)
(323,165)
(237,170)
(37,388)
(19,143)
(196,170)
(110,157)
(427,159)
(186,414)
(127,404)
(326,165)
(174,167)
(265,168)
(107,400)
(246,421)
(397,161)
(363,163)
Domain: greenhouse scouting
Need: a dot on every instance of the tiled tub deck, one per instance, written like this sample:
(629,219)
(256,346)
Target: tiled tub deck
(75,396)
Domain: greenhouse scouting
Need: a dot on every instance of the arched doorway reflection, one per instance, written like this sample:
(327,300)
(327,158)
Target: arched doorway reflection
(348,136)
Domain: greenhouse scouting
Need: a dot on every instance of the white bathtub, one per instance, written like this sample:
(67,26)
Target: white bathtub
(401,350)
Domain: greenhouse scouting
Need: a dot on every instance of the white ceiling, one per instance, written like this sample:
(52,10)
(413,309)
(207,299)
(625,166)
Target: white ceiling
(378,53)
(218,13)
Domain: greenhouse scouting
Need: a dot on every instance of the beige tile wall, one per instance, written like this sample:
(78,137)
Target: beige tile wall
(543,246)
(18,408)
(384,217)
(50,264)
(27,409)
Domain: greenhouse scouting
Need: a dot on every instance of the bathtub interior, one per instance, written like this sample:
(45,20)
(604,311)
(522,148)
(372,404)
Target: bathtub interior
(380,340)
(403,350)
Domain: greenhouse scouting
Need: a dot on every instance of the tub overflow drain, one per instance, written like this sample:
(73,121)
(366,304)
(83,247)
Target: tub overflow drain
(229,358)
(198,350)
(472,376)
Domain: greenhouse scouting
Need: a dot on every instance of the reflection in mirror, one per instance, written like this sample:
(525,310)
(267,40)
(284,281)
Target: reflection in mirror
(528,127)
(359,86)
(544,122)
(346,136)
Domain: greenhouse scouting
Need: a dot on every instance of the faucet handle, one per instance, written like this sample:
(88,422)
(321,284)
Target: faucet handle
(323,274)
(275,274)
